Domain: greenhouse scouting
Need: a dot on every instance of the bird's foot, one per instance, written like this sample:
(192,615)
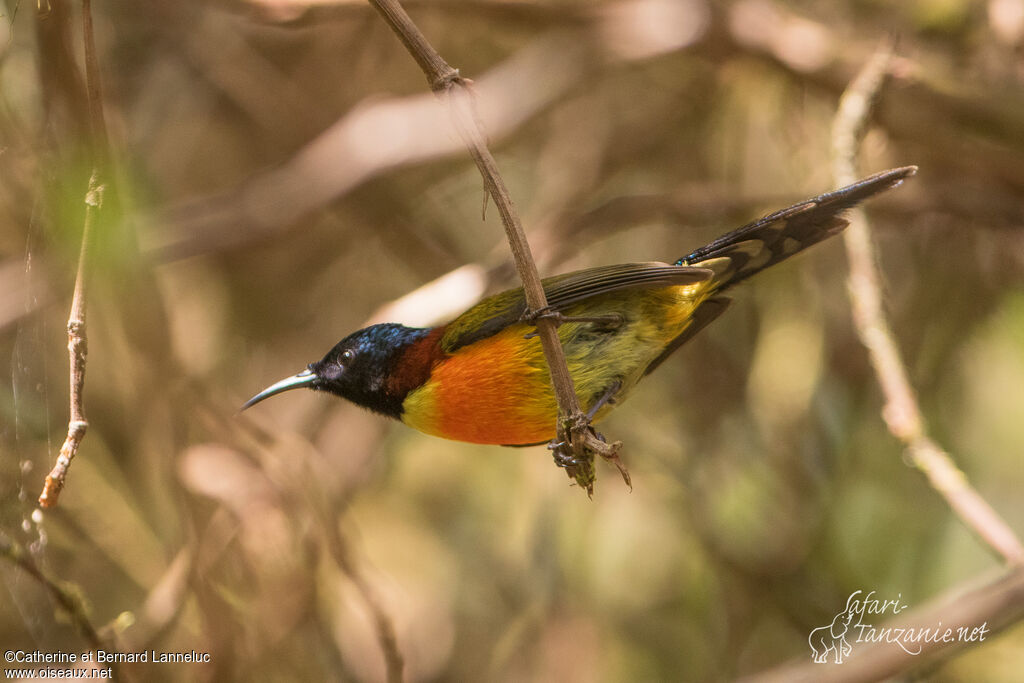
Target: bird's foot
(575,454)
(607,398)
(578,467)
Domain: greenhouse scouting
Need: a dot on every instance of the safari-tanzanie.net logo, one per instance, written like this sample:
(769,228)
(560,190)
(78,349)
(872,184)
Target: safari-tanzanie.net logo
(855,624)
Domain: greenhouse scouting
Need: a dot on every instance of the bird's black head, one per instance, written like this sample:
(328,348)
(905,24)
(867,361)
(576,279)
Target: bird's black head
(359,368)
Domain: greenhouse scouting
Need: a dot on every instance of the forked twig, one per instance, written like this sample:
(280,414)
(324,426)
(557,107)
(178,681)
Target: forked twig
(901,411)
(576,442)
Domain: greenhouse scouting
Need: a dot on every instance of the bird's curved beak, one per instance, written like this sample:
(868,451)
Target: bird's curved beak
(303,379)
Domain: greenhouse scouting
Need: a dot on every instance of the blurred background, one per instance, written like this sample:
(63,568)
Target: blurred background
(283,176)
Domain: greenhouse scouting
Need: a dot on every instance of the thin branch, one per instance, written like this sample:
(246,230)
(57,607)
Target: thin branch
(94,91)
(577,442)
(77,344)
(901,411)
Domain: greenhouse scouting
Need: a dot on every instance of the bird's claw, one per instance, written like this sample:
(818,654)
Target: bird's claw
(581,468)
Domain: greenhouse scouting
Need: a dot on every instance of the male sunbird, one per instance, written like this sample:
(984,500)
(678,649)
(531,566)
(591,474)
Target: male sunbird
(483,378)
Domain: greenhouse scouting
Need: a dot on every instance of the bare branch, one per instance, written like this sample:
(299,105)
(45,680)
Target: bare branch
(77,344)
(901,411)
(573,429)
(377,135)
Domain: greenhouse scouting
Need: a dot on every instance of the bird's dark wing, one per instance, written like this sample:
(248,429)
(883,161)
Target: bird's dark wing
(497,312)
(563,291)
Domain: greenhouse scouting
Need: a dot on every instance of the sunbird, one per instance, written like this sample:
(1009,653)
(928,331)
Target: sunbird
(483,378)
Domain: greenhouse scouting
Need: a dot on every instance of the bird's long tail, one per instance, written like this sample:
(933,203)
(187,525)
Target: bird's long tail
(745,251)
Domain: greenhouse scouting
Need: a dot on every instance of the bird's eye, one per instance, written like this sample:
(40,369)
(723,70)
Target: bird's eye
(347,357)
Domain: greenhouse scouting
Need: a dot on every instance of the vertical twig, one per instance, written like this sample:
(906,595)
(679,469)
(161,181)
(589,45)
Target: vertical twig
(901,411)
(577,442)
(77,344)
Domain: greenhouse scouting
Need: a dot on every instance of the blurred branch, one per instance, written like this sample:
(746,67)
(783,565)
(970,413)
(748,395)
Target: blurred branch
(67,595)
(77,345)
(498,12)
(323,494)
(384,133)
(577,441)
(372,138)
(981,128)
(161,610)
(340,551)
(995,605)
(901,411)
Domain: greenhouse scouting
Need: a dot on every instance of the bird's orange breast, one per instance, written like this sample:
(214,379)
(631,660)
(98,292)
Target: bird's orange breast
(495,391)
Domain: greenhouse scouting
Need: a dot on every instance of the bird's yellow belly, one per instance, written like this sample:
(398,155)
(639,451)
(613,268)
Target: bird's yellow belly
(498,391)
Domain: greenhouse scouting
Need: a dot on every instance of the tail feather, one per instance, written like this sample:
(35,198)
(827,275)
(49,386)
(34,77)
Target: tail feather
(741,253)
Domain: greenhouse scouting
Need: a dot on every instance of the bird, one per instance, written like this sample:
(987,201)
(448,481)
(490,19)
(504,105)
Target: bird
(483,378)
